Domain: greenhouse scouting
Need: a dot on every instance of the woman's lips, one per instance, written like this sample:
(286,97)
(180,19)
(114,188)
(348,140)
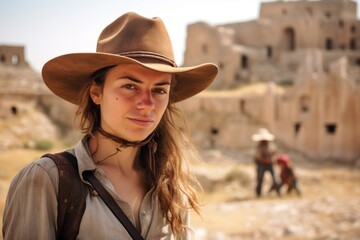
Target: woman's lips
(142,121)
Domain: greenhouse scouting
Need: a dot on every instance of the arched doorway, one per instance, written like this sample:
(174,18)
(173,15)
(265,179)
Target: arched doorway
(289,39)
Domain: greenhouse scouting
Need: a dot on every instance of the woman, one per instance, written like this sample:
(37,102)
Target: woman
(125,94)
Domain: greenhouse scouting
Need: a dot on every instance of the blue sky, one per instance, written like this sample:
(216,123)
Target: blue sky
(50,28)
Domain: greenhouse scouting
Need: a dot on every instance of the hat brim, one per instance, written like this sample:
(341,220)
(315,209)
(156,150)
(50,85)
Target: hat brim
(67,74)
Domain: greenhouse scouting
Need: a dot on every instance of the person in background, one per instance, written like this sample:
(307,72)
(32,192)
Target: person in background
(264,156)
(287,174)
(126,93)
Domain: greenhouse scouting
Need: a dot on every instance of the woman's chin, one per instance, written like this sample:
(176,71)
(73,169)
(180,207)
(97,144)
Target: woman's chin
(138,138)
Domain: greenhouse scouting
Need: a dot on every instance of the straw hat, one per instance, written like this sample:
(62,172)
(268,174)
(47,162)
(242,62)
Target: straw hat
(263,135)
(130,39)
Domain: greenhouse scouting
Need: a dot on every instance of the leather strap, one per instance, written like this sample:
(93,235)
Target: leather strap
(113,206)
(71,196)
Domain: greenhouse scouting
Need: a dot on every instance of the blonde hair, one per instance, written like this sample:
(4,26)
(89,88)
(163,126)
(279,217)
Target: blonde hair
(174,185)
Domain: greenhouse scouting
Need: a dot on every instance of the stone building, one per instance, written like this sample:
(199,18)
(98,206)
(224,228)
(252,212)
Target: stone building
(306,54)
(22,116)
(272,47)
(19,84)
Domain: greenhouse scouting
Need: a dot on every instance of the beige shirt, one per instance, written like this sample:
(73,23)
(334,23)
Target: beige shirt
(31,206)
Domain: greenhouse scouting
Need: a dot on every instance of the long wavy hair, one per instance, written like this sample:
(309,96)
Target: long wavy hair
(169,176)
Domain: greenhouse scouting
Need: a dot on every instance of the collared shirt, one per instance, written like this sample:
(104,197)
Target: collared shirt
(31,206)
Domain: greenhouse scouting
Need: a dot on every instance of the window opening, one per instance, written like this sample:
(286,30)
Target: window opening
(289,39)
(330,128)
(304,104)
(328,44)
(357,61)
(341,23)
(353,29)
(353,44)
(14,110)
(297,127)
(15,59)
(269,52)
(214,131)
(244,61)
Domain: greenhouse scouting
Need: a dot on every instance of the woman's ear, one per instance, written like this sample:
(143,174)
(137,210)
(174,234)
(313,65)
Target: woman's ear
(95,93)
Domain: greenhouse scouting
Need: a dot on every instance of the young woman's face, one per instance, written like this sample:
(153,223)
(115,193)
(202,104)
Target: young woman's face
(132,101)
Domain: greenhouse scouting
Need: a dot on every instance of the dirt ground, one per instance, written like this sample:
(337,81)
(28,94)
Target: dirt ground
(329,207)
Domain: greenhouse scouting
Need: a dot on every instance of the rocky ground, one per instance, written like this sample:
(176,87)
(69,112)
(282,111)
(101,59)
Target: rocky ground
(329,207)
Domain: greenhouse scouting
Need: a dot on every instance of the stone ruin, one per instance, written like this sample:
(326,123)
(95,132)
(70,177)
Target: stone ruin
(28,110)
(294,70)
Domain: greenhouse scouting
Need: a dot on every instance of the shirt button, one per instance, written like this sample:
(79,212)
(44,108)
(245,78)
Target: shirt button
(143,213)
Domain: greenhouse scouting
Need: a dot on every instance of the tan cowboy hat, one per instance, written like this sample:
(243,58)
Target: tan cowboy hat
(129,39)
(263,135)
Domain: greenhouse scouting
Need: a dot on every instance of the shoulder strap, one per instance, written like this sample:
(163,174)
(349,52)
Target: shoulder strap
(113,206)
(71,197)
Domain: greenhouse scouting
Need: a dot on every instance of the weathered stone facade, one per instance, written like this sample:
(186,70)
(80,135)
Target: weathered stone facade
(12,56)
(272,47)
(308,52)
(20,86)
(23,116)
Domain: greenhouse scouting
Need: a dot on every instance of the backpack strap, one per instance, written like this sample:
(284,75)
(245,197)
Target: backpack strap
(71,197)
(113,206)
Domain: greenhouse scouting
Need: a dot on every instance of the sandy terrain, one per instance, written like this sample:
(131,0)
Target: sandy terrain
(328,209)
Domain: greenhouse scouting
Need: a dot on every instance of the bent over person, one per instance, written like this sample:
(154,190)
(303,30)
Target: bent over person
(287,174)
(125,93)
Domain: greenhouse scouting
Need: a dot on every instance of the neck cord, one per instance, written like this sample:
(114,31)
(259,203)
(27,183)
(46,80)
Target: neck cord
(123,143)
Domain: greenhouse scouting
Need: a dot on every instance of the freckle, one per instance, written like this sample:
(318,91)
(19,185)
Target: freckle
(117,98)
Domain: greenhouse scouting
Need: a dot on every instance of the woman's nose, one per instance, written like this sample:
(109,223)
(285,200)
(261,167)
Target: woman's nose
(146,101)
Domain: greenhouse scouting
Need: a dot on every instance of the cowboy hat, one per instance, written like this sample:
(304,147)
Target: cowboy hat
(263,135)
(130,39)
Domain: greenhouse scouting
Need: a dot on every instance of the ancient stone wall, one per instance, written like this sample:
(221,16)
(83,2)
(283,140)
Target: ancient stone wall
(311,46)
(323,111)
(28,110)
(318,9)
(284,31)
(12,55)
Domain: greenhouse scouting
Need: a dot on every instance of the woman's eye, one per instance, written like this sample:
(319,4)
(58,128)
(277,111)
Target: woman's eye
(160,91)
(129,86)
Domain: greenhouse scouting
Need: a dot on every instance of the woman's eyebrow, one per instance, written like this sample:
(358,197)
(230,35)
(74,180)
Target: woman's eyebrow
(162,83)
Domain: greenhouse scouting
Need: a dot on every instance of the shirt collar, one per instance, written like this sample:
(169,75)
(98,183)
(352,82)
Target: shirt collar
(83,155)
